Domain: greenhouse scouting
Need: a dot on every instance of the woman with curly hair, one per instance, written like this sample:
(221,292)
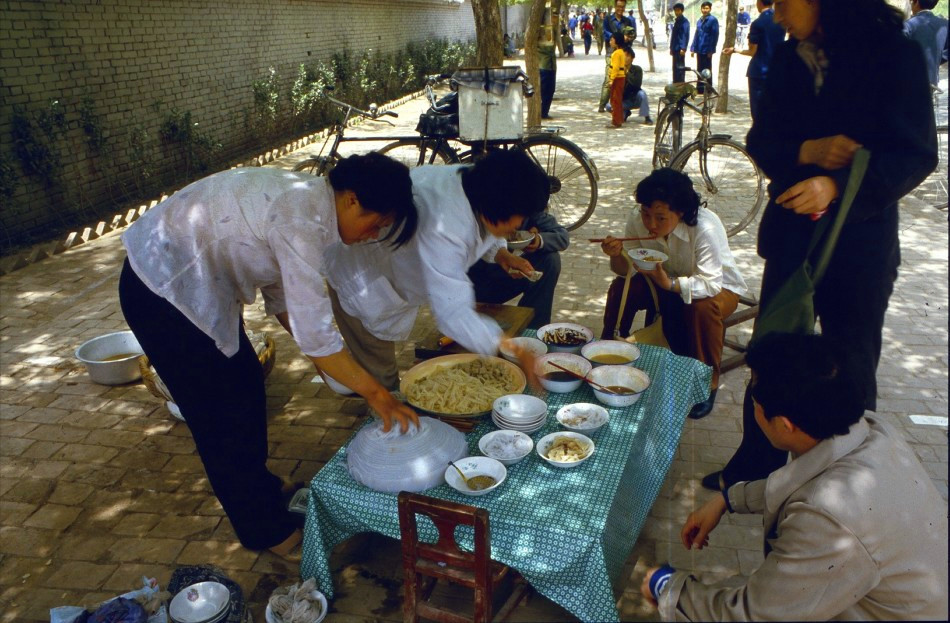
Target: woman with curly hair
(814,116)
(697,288)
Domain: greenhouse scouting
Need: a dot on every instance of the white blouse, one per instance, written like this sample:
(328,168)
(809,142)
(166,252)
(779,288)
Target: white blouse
(208,248)
(700,257)
(384,287)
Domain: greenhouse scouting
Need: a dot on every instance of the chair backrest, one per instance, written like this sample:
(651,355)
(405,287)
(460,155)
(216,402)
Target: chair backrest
(445,552)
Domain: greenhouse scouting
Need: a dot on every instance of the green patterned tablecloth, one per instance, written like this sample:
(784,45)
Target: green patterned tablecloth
(567,531)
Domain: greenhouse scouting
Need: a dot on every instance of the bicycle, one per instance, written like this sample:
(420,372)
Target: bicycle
(722,170)
(933,190)
(572,173)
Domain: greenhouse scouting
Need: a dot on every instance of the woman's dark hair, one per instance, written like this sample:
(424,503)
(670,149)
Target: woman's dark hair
(673,188)
(506,183)
(852,27)
(807,378)
(619,40)
(382,185)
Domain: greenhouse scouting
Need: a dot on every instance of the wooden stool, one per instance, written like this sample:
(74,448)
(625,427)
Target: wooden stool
(750,312)
(426,563)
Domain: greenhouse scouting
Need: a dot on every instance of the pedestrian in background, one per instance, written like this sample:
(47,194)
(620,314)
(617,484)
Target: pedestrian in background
(764,37)
(705,42)
(613,23)
(679,39)
(619,58)
(598,24)
(587,32)
(930,31)
(547,68)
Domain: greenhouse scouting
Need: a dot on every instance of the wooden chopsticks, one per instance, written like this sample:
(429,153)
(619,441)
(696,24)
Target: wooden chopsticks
(622,239)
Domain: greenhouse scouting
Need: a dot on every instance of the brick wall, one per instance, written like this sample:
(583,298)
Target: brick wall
(136,60)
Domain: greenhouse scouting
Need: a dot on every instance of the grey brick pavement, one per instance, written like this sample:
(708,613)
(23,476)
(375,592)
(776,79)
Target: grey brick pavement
(99,485)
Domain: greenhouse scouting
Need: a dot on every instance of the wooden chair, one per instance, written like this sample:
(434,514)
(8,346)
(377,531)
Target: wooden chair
(425,563)
(750,312)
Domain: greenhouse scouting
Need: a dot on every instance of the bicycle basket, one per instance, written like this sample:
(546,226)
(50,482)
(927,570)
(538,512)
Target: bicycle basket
(675,91)
(439,125)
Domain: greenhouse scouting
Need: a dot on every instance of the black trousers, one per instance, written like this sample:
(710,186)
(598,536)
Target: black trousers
(851,302)
(494,285)
(704,61)
(223,401)
(756,90)
(548,79)
(679,66)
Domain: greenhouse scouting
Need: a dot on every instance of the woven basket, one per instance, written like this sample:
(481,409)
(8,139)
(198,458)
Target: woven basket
(157,388)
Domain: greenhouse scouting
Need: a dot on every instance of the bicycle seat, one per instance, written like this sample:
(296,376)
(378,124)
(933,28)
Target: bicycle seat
(676,91)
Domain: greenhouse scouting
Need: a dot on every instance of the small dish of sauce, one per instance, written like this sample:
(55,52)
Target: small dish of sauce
(619,389)
(610,358)
(478,483)
(558,376)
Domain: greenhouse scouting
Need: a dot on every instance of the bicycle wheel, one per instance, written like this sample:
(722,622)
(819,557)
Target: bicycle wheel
(933,190)
(727,178)
(416,152)
(316,165)
(572,176)
(668,134)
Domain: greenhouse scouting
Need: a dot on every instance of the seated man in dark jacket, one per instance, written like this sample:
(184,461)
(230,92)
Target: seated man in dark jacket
(633,94)
(494,285)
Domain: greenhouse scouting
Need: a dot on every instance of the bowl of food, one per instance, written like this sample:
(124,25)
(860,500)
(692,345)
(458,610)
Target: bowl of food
(483,473)
(460,386)
(112,359)
(531,344)
(318,606)
(556,380)
(626,384)
(647,259)
(506,446)
(582,417)
(201,602)
(520,239)
(564,337)
(610,352)
(565,449)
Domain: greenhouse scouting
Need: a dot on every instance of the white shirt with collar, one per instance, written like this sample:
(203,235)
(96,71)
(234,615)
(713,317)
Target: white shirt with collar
(700,257)
(208,248)
(384,287)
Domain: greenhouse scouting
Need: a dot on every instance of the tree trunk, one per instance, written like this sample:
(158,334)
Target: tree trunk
(489,39)
(647,35)
(722,104)
(531,35)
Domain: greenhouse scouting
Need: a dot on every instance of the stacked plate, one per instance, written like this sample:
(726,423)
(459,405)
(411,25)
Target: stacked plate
(204,602)
(519,412)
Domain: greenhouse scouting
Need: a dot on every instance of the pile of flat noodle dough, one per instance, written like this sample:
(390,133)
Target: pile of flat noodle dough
(470,387)
(295,603)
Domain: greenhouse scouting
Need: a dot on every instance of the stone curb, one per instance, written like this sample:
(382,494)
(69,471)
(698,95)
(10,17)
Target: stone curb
(121,220)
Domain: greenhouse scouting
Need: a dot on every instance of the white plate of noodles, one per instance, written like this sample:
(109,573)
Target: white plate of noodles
(460,386)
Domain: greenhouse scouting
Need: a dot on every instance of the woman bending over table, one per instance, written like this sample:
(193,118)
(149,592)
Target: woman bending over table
(202,254)
(697,288)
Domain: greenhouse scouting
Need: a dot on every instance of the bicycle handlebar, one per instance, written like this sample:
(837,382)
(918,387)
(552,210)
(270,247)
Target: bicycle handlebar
(373,113)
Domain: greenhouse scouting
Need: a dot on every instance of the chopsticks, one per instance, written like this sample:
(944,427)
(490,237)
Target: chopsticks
(583,378)
(622,239)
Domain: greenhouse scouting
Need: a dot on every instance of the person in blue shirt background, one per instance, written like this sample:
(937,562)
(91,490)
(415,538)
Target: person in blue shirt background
(743,19)
(930,31)
(679,39)
(764,36)
(705,42)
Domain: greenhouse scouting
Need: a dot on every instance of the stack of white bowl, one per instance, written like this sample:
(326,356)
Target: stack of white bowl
(519,412)
(204,602)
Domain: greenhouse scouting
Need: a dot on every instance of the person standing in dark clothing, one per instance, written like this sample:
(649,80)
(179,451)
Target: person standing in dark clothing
(930,31)
(547,68)
(804,137)
(764,37)
(616,22)
(705,42)
(679,40)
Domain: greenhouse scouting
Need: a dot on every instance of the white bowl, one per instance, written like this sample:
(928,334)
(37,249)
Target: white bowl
(549,332)
(532,344)
(112,359)
(524,428)
(545,443)
(522,239)
(623,353)
(561,383)
(647,259)
(582,417)
(270,617)
(622,376)
(199,602)
(506,446)
(519,408)
(476,466)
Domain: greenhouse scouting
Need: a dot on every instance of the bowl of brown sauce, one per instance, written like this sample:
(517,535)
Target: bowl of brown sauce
(556,380)
(484,474)
(112,359)
(610,353)
(625,384)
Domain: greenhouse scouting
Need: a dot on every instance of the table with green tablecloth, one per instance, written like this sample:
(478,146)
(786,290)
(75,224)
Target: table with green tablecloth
(567,531)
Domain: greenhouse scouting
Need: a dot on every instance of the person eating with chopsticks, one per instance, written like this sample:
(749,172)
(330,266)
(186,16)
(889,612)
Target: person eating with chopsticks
(465,214)
(697,287)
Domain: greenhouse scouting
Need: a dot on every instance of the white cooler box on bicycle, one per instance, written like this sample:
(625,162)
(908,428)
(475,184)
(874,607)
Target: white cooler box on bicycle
(491,102)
